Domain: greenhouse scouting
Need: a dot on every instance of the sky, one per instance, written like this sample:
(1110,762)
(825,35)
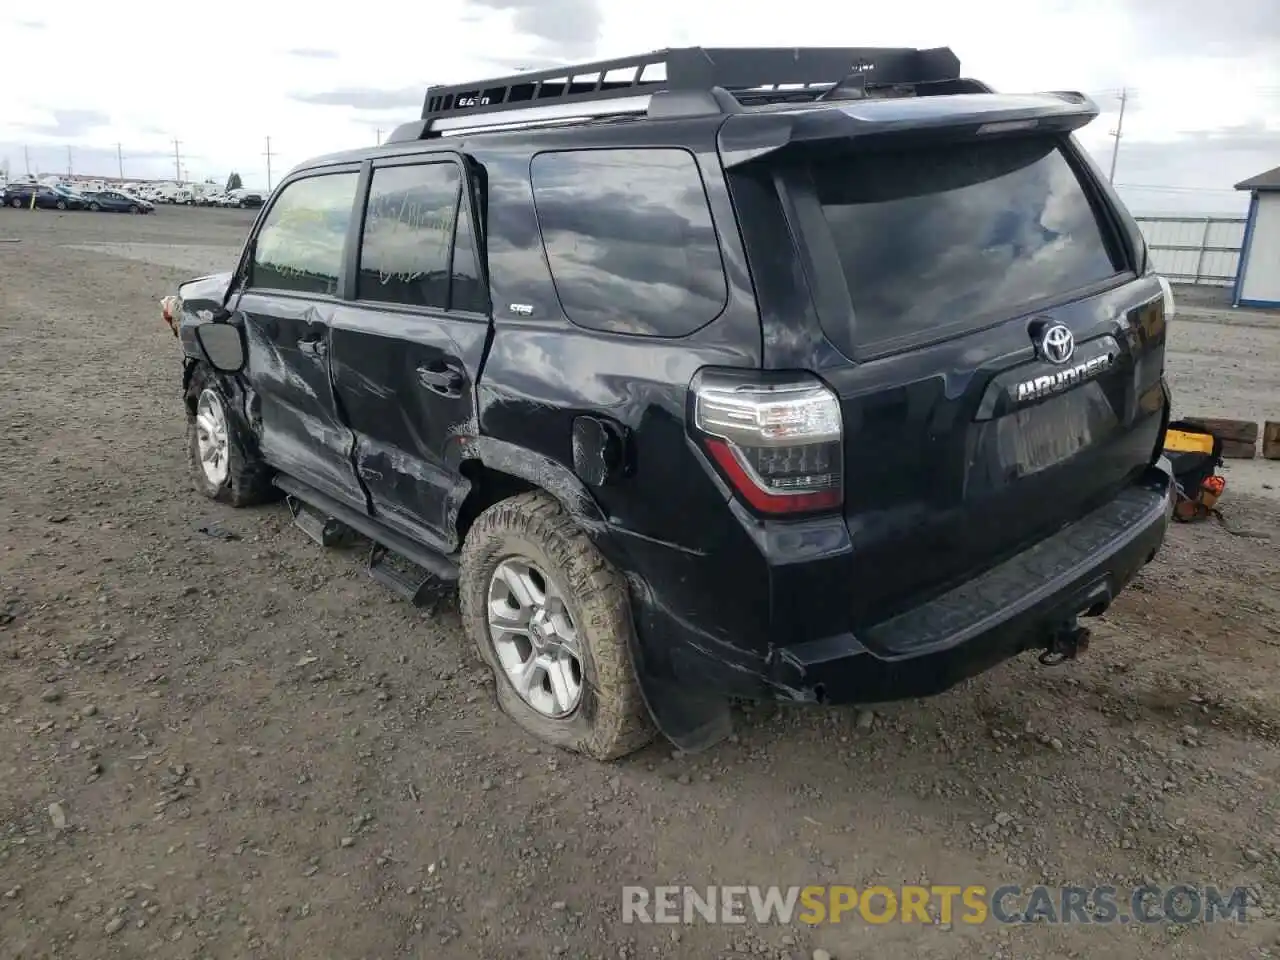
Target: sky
(1203,78)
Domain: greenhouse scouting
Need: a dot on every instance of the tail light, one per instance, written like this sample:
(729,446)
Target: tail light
(778,444)
(1170,306)
(170,307)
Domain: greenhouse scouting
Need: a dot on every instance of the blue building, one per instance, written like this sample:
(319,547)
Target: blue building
(1258,276)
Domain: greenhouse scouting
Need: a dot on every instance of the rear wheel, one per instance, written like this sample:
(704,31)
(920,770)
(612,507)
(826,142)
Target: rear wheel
(550,617)
(222,453)
(62,204)
(94,207)
(15,203)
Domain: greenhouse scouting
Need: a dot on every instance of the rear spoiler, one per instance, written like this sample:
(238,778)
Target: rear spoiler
(748,136)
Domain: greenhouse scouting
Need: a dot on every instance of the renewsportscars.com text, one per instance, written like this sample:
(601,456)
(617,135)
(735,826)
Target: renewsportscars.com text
(970,904)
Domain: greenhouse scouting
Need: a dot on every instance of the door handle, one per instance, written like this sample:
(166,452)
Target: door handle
(441,378)
(313,346)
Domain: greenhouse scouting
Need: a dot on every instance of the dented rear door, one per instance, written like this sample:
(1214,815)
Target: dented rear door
(408,347)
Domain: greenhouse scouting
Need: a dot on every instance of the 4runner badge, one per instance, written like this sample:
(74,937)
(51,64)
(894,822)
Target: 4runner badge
(1043,386)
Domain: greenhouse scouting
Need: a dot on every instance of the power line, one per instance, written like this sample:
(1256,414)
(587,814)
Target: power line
(1174,189)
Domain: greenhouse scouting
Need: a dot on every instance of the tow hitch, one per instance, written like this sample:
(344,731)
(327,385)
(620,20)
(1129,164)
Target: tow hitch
(1067,642)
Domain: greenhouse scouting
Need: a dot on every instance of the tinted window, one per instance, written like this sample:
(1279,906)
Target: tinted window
(300,245)
(956,236)
(408,232)
(629,238)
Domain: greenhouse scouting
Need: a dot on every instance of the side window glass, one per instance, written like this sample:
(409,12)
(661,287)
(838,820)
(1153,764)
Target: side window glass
(408,234)
(629,239)
(466,293)
(299,247)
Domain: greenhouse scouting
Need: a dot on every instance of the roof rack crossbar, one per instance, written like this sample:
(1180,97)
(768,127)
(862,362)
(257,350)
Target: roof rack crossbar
(628,85)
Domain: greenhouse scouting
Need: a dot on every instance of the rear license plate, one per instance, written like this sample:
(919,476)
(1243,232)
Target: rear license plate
(1050,433)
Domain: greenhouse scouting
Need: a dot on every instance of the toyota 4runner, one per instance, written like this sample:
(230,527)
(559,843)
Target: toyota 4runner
(823,375)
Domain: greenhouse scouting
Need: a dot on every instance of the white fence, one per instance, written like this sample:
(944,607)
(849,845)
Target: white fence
(1203,250)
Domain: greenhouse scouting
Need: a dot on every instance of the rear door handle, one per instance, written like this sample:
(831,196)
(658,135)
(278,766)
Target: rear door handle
(313,346)
(440,378)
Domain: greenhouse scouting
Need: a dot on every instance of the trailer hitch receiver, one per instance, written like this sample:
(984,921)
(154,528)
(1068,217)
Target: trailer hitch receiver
(1066,642)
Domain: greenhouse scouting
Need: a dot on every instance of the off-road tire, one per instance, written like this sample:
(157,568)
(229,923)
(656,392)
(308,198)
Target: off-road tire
(248,480)
(611,720)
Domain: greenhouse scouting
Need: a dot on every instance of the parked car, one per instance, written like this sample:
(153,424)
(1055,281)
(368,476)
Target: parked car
(46,198)
(113,201)
(804,392)
(250,200)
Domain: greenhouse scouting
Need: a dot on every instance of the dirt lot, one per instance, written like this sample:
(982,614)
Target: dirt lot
(244,748)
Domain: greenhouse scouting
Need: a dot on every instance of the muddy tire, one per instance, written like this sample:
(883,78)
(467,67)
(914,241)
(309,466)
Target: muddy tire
(222,453)
(608,718)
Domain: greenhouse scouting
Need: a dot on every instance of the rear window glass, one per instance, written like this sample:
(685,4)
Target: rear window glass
(948,238)
(629,239)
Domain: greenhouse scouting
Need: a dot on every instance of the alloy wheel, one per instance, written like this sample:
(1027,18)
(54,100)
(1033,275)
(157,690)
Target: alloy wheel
(535,638)
(212,440)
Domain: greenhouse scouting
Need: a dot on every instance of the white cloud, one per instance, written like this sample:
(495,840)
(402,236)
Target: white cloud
(222,84)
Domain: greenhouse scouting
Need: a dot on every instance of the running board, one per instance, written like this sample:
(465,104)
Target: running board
(324,530)
(435,566)
(420,588)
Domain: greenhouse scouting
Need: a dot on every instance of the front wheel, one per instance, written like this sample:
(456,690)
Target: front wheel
(94,207)
(62,204)
(133,208)
(222,453)
(551,618)
(15,203)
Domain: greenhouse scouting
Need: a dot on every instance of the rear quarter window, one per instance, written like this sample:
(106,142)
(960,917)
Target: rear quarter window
(629,239)
(943,239)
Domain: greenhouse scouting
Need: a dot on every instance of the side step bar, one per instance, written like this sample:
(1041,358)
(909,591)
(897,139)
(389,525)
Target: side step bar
(423,590)
(437,566)
(324,530)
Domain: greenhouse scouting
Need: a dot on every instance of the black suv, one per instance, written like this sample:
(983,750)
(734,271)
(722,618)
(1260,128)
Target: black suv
(823,375)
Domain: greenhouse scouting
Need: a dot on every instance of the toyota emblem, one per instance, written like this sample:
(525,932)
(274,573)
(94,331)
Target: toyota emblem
(1057,344)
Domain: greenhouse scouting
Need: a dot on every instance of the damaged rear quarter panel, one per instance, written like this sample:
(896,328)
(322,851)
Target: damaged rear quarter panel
(665,518)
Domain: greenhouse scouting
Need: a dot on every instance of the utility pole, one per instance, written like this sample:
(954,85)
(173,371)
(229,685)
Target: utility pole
(177,160)
(68,161)
(26,159)
(1118,132)
(379,136)
(120,159)
(268,156)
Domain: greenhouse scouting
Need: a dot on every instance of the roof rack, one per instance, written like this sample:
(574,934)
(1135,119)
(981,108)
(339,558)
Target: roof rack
(680,82)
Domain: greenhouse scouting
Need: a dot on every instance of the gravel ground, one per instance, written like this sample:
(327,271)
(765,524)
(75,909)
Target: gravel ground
(242,747)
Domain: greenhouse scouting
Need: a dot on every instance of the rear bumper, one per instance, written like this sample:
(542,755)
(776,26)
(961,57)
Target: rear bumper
(1013,607)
